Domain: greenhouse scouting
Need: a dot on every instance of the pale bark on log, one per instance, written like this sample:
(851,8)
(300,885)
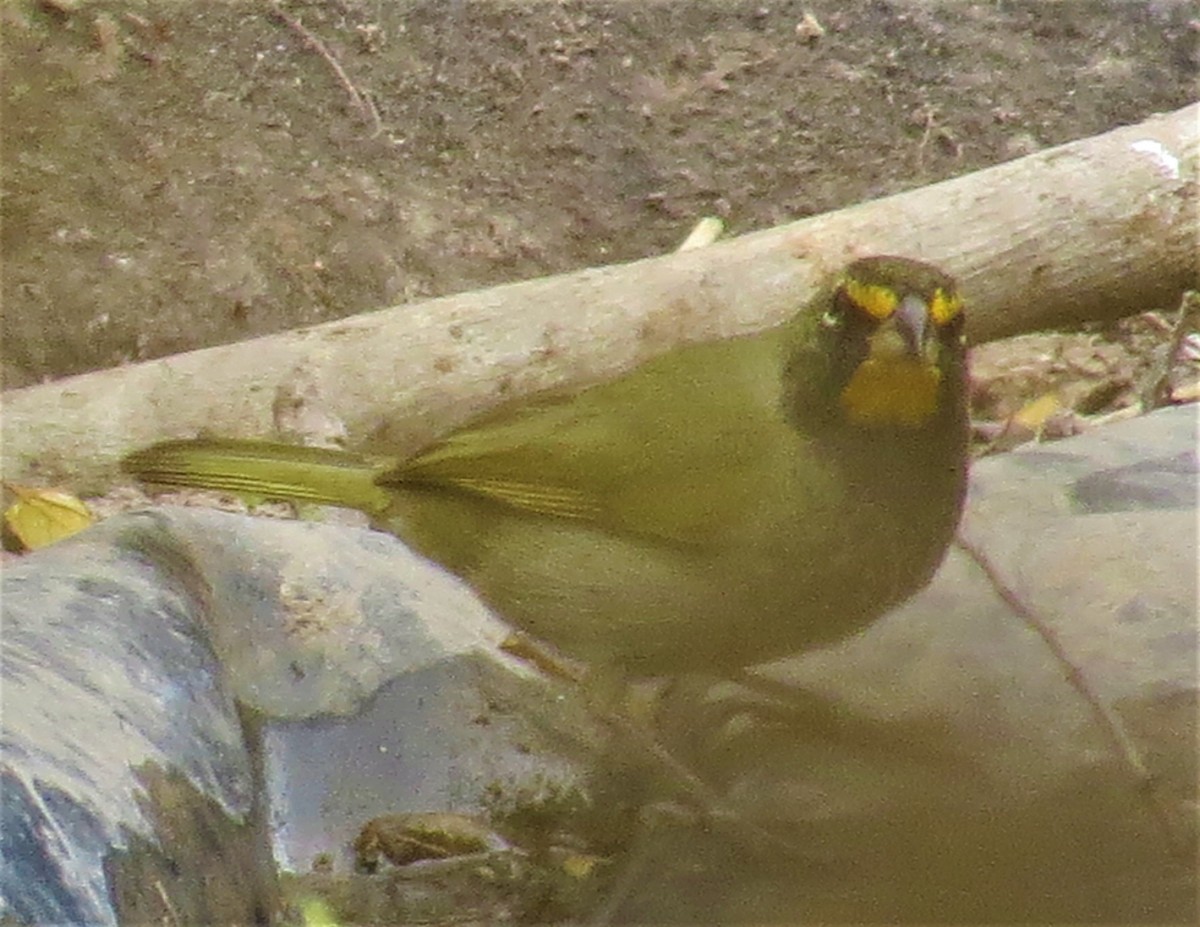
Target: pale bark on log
(1091,230)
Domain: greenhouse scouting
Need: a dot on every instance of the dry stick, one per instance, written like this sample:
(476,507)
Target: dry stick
(928,118)
(361,100)
(403,376)
(172,917)
(1156,390)
(1111,725)
(633,869)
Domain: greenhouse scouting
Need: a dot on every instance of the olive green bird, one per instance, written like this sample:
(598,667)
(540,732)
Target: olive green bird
(721,505)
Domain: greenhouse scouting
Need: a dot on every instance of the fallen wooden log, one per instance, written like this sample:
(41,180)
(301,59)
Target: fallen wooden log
(1091,230)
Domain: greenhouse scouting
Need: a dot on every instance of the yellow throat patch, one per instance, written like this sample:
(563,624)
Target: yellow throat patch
(888,388)
(892,391)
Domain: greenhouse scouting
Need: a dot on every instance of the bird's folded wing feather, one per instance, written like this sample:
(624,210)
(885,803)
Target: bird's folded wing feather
(674,451)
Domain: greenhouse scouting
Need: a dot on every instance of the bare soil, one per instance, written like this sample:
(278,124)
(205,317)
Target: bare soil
(179,175)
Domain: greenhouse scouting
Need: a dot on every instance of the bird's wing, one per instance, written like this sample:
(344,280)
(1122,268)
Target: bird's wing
(643,455)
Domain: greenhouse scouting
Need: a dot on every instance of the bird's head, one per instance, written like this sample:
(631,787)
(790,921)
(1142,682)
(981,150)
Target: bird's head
(892,332)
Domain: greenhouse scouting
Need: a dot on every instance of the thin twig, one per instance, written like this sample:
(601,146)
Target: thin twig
(633,870)
(1156,389)
(1111,725)
(361,101)
(928,115)
(172,918)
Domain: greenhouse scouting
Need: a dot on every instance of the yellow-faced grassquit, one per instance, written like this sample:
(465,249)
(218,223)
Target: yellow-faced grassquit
(721,505)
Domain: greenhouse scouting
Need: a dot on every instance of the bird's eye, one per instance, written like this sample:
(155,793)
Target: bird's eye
(832,318)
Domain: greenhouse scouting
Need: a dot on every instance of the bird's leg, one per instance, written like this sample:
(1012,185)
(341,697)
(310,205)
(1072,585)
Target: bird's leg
(626,711)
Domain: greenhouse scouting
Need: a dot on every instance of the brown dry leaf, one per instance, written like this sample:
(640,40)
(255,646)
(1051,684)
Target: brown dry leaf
(40,517)
(414,836)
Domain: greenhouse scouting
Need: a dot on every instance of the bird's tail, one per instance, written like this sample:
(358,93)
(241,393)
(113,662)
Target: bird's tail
(265,469)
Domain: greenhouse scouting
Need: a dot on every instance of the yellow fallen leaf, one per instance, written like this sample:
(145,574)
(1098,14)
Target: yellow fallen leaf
(42,516)
(315,912)
(580,865)
(705,232)
(1034,414)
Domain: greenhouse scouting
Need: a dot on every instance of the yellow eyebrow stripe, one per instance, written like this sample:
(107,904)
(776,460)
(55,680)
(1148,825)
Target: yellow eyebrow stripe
(944,306)
(879,301)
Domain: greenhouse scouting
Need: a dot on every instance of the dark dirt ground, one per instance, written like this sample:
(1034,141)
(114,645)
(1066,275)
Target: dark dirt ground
(179,175)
